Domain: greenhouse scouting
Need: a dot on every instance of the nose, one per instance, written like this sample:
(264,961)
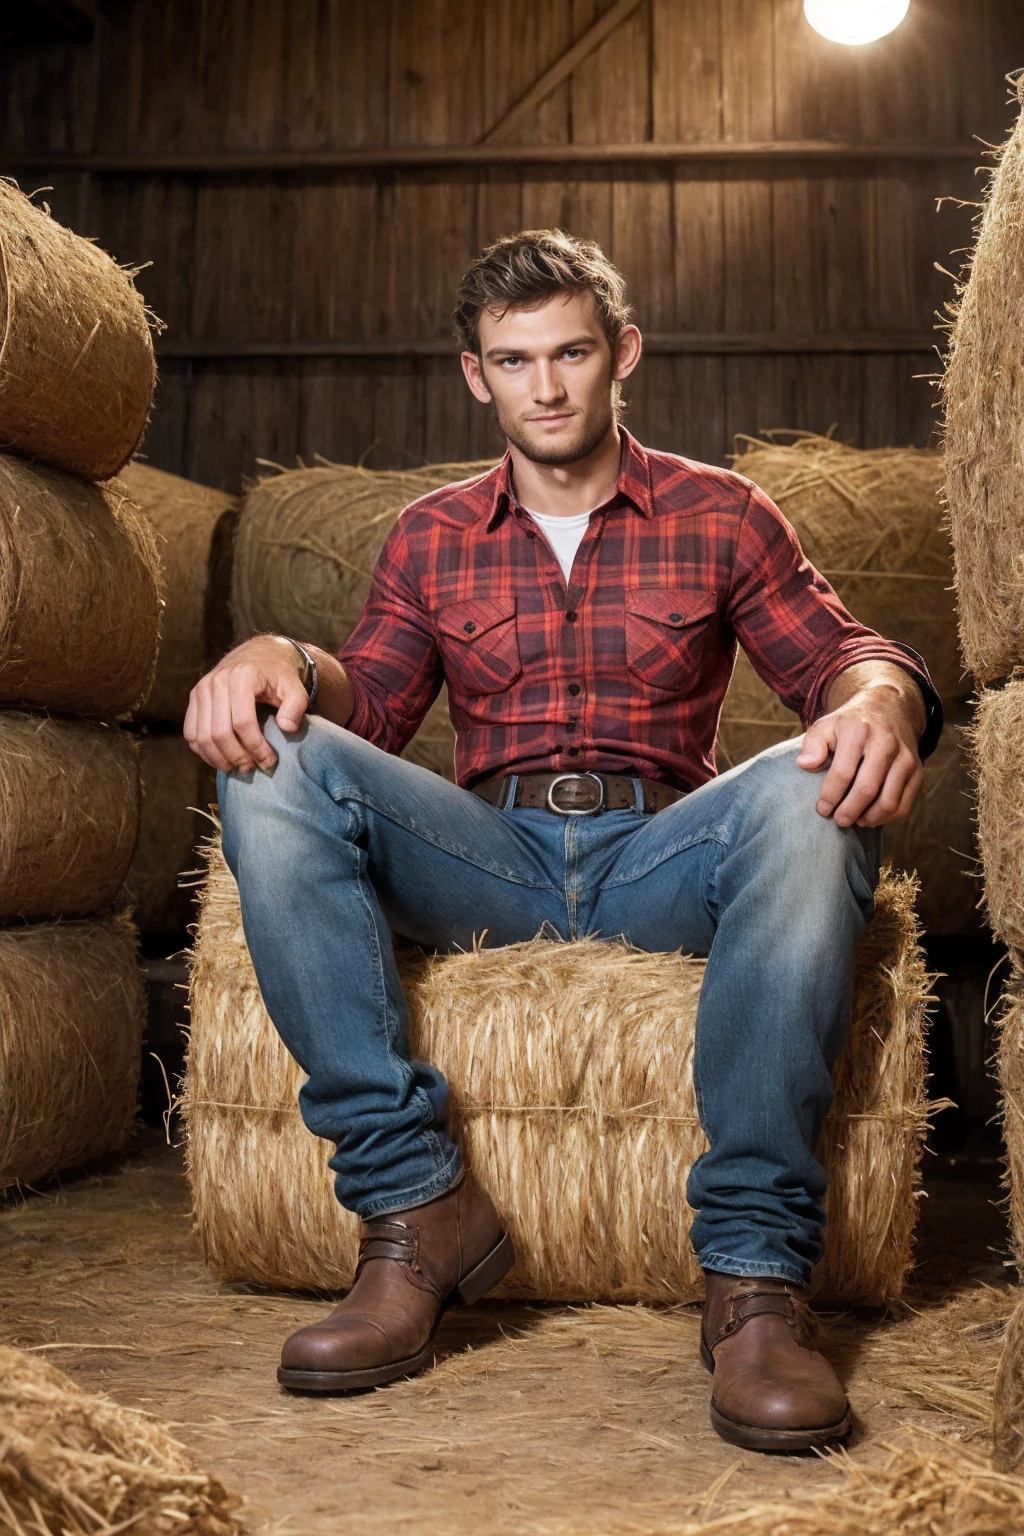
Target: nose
(547,386)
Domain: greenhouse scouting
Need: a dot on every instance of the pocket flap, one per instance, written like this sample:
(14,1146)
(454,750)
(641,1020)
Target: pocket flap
(467,621)
(673,609)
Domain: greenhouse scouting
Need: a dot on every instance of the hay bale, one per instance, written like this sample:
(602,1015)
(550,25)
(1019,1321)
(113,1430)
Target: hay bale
(938,840)
(983,395)
(871,521)
(77,371)
(998,745)
(79,593)
(1010,1070)
(1008,1405)
(72,1462)
(69,815)
(195,528)
(177,787)
(308,540)
(71,1014)
(571,1075)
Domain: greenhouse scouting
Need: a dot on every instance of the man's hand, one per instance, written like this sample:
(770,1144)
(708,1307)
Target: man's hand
(871,734)
(221,725)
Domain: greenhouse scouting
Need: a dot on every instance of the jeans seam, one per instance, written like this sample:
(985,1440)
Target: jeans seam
(717,1262)
(456,853)
(705,835)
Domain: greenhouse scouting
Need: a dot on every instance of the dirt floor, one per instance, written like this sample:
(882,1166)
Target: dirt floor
(537,1419)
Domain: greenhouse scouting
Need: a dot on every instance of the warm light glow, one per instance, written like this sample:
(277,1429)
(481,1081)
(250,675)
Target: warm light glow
(855,21)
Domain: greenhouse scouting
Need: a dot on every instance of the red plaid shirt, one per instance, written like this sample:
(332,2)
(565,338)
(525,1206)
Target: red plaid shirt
(625,670)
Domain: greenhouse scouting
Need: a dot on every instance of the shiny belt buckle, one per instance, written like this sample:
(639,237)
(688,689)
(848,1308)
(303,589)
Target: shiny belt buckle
(575,778)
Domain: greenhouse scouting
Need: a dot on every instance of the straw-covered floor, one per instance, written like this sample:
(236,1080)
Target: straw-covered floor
(539,1419)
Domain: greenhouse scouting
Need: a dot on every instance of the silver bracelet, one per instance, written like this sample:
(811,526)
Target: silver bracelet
(309,679)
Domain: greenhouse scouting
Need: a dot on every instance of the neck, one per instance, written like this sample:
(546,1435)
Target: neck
(565,490)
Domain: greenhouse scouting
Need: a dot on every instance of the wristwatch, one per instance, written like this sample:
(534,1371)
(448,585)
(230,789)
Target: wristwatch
(307,675)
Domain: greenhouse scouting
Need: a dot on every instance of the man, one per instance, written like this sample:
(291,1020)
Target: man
(583,602)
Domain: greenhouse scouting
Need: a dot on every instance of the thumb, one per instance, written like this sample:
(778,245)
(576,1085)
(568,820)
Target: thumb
(293,704)
(819,741)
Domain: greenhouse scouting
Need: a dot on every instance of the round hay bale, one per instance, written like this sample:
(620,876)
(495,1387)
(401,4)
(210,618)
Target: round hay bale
(871,521)
(1008,1405)
(69,815)
(998,746)
(983,395)
(77,370)
(572,1096)
(71,1017)
(72,1461)
(79,593)
(308,540)
(177,787)
(194,527)
(938,840)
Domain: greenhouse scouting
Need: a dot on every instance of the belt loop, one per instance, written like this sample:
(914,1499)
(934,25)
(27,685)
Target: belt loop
(509,798)
(639,803)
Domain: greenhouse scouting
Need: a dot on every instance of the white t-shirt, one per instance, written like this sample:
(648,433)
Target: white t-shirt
(564,534)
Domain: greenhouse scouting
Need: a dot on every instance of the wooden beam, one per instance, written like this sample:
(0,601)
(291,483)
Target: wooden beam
(562,68)
(468,156)
(663,344)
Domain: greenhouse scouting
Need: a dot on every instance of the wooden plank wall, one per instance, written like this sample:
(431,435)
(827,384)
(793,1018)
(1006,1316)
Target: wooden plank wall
(738,250)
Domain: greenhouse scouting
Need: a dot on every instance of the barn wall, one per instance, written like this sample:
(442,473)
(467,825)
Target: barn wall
(797,290)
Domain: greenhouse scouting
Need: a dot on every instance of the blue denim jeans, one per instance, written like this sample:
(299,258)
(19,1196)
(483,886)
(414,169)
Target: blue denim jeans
(342,845)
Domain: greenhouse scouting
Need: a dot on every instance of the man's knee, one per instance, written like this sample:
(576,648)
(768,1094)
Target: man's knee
(783,800)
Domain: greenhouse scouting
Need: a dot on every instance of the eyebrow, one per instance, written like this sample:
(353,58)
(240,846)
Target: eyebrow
(494,353)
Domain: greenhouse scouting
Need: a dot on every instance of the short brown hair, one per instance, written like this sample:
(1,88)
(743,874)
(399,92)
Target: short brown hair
(521,270)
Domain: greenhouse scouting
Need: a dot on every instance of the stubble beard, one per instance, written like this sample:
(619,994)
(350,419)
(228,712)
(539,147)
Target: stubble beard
(591,432)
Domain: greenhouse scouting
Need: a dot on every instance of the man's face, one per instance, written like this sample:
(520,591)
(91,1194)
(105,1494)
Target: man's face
(549,372)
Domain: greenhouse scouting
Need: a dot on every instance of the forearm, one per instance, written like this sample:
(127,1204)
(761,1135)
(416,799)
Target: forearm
(335,699)
(885,683)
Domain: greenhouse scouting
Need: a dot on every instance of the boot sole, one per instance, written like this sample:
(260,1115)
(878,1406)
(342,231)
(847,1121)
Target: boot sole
(492,1268)
(752,1437)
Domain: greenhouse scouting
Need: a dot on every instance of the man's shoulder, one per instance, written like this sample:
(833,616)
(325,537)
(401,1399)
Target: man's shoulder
(458,504)
(682,485)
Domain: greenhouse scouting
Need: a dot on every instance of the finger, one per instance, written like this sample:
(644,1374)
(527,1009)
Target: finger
(872,772)
(819,741)
(242,693)
(204,744)
(222,730)
(850,737)
(886,805)
(294,699)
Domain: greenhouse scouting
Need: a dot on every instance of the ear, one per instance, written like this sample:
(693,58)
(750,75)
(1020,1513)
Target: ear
(627,353)
(475,377)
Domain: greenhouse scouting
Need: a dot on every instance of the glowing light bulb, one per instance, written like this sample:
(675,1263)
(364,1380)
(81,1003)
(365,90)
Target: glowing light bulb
(855,21)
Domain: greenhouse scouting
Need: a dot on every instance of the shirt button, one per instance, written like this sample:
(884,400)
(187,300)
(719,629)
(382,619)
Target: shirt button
(571,725)
(469,628)
(531,533)
(674,618)
(570,617)
(574,751)
(574,689)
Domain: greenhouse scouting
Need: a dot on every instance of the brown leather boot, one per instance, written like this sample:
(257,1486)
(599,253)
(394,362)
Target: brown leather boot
(773,1390)
(412,1265)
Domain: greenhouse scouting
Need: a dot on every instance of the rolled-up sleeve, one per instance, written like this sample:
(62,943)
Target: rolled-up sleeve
(793,626)
(391,658)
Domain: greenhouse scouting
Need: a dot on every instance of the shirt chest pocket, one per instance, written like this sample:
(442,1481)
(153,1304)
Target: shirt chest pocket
(667,634)
(479,644)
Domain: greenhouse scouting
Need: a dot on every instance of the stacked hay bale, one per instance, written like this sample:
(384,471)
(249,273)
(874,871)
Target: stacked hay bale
(195,530)
(572,1087)
(984,448)
(871,521)
(79,623)
(305,550)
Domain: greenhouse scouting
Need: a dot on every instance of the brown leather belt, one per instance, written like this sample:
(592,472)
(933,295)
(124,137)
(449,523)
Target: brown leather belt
(577,794)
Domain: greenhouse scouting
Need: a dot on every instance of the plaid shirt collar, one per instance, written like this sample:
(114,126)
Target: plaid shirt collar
(633,484)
